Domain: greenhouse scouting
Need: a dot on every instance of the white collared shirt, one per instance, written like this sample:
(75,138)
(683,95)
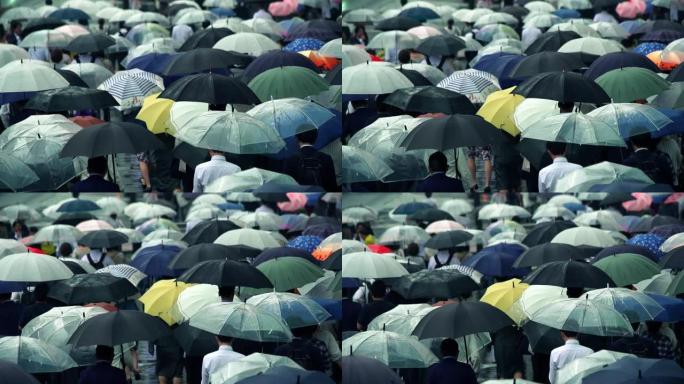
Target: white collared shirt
(564,354)
(211,170)
(549,175)
(217,359)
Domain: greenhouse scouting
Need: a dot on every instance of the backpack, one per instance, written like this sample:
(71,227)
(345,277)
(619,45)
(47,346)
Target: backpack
(310,171)
(438,264)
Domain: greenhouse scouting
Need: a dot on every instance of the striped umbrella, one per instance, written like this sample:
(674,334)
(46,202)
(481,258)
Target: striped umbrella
(474,84)
(131,87)
(124,271)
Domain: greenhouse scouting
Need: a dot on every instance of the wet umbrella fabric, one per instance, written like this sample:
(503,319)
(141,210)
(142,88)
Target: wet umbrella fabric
(226,273)
(449,239)
(461,319)
(430,99)
(562,86)
(91,288)
(451,132)
(210,88)
(569,274)
(110,138)
(198,253)
(70,98)
(545,232)
(105,238)
(116,328)
(441,283)
(546,253)
(208,231)
(202,59)
(92,42)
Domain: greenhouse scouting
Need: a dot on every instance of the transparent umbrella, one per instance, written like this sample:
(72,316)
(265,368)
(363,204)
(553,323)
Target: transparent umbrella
(290,115)
(248,180)
(32,268)
(14,173)
(404,234)
(574,128)
(583,316)
(355,215)
(393,349)
(401,319)
(58,234)
(247,42)
(602,173)
(45,39)
(91,73)
(296,310)
(243,321)
(193,299)
(34,355)
(249,366)
(361,166)
(636,306)
(575,371)
(631,119)
(585,236)
(254,238)
(368,265)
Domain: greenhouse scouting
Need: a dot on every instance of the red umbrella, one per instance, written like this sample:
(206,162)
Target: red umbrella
(36,250)
(377,248)
(86,121)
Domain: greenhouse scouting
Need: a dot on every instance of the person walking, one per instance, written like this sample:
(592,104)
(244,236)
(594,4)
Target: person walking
(437,180)
(211,170)
(549,175)
(217,359)
(102,371)
(310,166)
(97,168)
(563,355)
(449,369)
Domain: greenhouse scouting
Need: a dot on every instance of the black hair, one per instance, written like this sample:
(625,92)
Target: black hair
(308,137)
(97,165)
(566,106)
(404,56)
(224,339)
(437,162)
(569,333)
(104,352)
(41,291)
(642,141)
(449,347)
(556,148)
(226,291)
(15,24)
(378,288)
(412,249)
(65,249)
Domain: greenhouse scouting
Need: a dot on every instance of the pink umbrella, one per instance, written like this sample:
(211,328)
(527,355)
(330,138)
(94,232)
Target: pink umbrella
(642,201)
(73,30)
(93,225)
(627,10)
(281,8)
(443,226)
(424,31)
(674,198)
(641,5)
(297,202)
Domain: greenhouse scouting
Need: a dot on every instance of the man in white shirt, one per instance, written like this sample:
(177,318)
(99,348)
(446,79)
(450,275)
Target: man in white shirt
(215,360)
(442,258)
(563,355)
(180,33)
(211,170)
(549,175)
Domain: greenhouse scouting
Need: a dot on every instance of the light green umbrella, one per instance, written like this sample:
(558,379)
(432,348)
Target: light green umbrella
(251,43)
(248,180)
(58,324)
(287,273)
(583,316)
(354,215)
(360,16)
(291,116)
(574,128)
(497,211)
(243,321)
(327,287)
(11,246)
(625,85)
(284,82)
(401,319)
(20,212)
(33,355)
(604,219)
(585,236)
(368,265)
(657,283)
(631,118)
(372,79)
(361,166)
(404,234)
(233,132)
(32,268)
(392,349)
(636,306)
(332,48)
(267,221)
(576,370)
(14,173)
(58,234)
(609,30)
(673,97)
(297,310)
(602,173)
(249,366)
(592,46)
(676,286)
(394,40)
(45,39)
(627,268)
(254,238)
(580,28)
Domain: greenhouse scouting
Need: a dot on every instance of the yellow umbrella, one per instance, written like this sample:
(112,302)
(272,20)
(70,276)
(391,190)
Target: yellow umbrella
(498,109)
(155,113)
(505,295)
(161,298)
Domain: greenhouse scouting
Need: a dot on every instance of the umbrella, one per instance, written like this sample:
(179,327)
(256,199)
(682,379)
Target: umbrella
(44,39)
(70,98)
(110,138)
(160,299)
(601,173)
(551,41)
(562,86)
(93,225)
(200,252)
(505,295)
(618,60)
(278,374)
(243,321)
(34,77)
(372,79)
(116,328)
(498,110)
(202,59)
(105,238)
(367,265)
(583,316)
(461,319)
(474,84)
(545,62)
(404,234)
(291,116)
(497,260)
(429,215)
(355,215)
(365,370)
(650,241)
(153,259)
(132,274)
(496,211)
(250,43)
(193,299)
(205,38)
(91,288)
(250,237)
(574,128)
(34,355)
(569,274)
(579,368)
(296,310)
(545,232)
(324,30)
(397,23)
(226,273)
(636,306)
(627,268)
(439,133)
(16,174)
(440,45)
(362,166)
(439,283)
(630,369)
(210,88)
(287,273)
(673,259)
(394,40)
(673,308)
(443,226)
(92,42)
(401,319)
(10,246)
(632,83)
(276,59)
(630,118)
(91,74)
(130,87)
(547,252)
(32,267)
(289,81)
(430,99)
(208,231)
(393,349)
(251,366)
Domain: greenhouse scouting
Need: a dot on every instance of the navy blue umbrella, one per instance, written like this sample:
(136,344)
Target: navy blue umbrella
(231,206)
(674,308)
(78,205)
(222,12)
(327,133)
(284,374)
(324,30)
(419,13)
(677,125)
(662,36)
(411,208)
(69,14)
(637,370)
(152,62)
(9,286)
(499,64)
(668,230)
(545,232)
(625,248)
(565,13)
(274,253)
(334,307)
(629,187)
(616,60)
(276,59)
(321,230)
(154,261)
(498,260)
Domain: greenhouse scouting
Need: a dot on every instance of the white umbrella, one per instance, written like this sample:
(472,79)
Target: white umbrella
(577,27)
(11,246)
(252,365)
(583,316)
(404,234)
(151,211)
(33,355)
(536,297)
(443,226)
(29,76)
(247,180)
(32,268)
(457,207)
(332,48)
(531,111)
(592,45)
(58,234)
(605,219)
(609,30)
(496,211)
(367,265)
(194,298)
(247,42)
(254,238)
(124,271)
(656,284)
(20,211)
(195,17)
(585,236)
(147,17)
(353,55)
(91,73)
(372,79)
(602,173)
(540,6)
(394,40)
(354,215)
(266,27)
(163,234)
(111,204)
(392,349)
(576,370)
(235,24)
(10,52)
(401,319)
(241,320)
(552,211)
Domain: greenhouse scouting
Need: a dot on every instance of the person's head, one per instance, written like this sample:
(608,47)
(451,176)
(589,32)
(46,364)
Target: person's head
(227,293)
(574,292)
(378,289)
(104,352)
(56,55)
(565,335)
(653,327)
(450,23)
(360,30)
(566,107)
(437,162)
(412,249)
(404,56)
(305,332)
(216,152)
(65,249)
(97,165)
(15,26)
(449,347)
(41,292)
(308,137)
(555,148)
(223,340)
(101,23)
(18,226)
(641,141)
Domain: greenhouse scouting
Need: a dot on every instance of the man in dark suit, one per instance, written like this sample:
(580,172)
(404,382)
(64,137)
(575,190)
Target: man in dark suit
(309,166)
(103,372)
(14,35)
(449,370)
(654,163)
(97,168)
(437,180)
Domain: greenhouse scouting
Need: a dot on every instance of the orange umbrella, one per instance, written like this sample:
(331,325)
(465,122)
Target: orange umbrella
(86,121)
(666,60)
(325,62)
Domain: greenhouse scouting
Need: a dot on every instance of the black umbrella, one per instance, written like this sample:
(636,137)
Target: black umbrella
(277,59)
(366,370)
(677,74)
(543,339)
(430,215)
(334,76)
(461,319)
(226,273)
(598,4)
(13,373)
(91,42)
(452,131)
(645,224)
(208,231)
(546,253)
(571,274)
(91,288)
(430,99)
(615,199)
(625,248)
(203,59)
(551,41)
(333,262)
(515,10)
(658,25)
(673,259)
(210,88)
(74,266)
(440,45)
(324,30)
(205,38)
(72,78)
(194,341)
(566,87)
(440,283)
(617,60)
(190,154)
(116,328)
(104,238)
(198,253)
(545,62)
(397,23)
(545,232)
(415,77)
(73,218)
(448,239)
(40,24)
(274,253)
(110,138)
(70,98)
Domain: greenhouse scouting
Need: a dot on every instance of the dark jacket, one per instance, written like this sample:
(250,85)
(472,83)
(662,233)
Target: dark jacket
(439,182)
(102,373)
(449,371)
(10,313)
(295,167)
(94,183)
(655,164)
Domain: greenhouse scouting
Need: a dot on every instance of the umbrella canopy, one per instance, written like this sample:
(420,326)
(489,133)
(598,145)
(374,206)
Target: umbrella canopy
(636,306)
(631,119)
(105,238)
(251,366)
(210,88)
(440,45)
(505,295)
(367,265)
(372,79)
(562,86)
(205,38)
(197,253)
(91,74)
(461,319)
(583,316)
(627,268)
(474,84)
(401,319)
(430,99)
(297,311)
(442,283)
(569,274)
(243,321)
(546,253)
(32,268)
(545,232)
(250,43)
(129,88)
(576,370)
(632,83)
(153,258)
(288,273)
(289,81)
(33,77)
(632,368)
(92,42)
(497,260)
(439,133)
(617,60)
(208,231)
(498,110)
(545,62)
(365,370)
(91,288)
(160,299)
(110,138)
(115,328)
(393,349)
(14,173)
(34,355)
(574,128)
(70,98)
(127,272)
(601,173)
(226,273)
